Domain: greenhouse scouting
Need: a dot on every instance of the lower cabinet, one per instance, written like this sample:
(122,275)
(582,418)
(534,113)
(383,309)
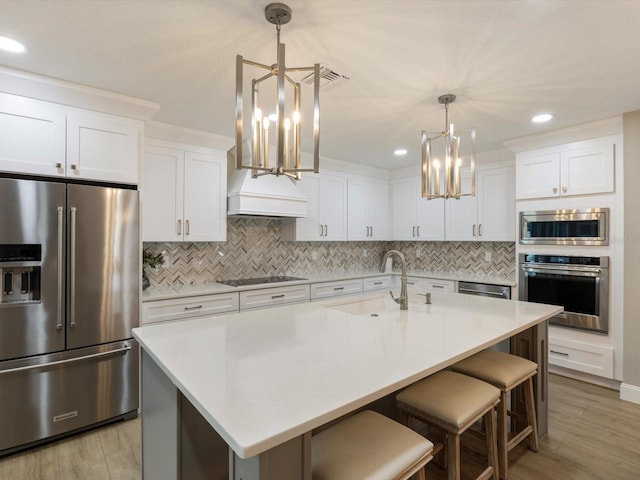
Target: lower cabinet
(382,282)
(583,357)
(188,307)
(427,284)
(273,297)
(335,289)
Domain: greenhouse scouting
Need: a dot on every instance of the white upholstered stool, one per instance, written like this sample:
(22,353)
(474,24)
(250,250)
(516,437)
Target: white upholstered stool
(506,372)
(453,402)
(368,446)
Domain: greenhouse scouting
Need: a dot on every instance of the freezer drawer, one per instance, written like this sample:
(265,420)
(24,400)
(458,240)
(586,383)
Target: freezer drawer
(54,394)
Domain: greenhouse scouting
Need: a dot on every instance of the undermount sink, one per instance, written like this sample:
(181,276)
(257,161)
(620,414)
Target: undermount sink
(361,307)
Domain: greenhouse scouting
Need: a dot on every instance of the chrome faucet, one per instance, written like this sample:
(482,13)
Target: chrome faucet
(403,299)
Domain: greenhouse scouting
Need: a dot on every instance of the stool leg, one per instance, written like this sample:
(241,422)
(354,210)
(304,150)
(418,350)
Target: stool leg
(503,437)
(490,431)
(530,403)
(453,455)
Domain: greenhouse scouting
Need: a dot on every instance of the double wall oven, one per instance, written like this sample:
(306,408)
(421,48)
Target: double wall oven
(579,283)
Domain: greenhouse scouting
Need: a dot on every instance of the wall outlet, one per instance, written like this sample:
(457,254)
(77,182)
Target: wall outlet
(487,256)
(314,254)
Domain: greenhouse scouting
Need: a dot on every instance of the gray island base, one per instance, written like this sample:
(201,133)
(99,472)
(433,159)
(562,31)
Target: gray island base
(237,396)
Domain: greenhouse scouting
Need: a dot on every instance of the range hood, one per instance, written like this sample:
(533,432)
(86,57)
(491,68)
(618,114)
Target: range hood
(267,195)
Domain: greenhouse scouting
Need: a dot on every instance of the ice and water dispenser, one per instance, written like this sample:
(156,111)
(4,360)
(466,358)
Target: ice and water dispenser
(20,267)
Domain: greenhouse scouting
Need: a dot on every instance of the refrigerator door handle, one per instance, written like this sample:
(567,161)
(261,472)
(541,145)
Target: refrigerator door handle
(72,268)
(60,315)
(68,360)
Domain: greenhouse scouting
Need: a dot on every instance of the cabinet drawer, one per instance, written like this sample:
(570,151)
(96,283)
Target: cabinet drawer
(272,297)
(433,285)
(335,289)
(414,282)
(177,309)
(376,283)
(583,357)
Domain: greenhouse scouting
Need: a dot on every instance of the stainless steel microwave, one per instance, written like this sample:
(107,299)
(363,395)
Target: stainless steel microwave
(565,227)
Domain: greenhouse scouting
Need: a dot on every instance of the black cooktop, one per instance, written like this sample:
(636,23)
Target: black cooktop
(241,282)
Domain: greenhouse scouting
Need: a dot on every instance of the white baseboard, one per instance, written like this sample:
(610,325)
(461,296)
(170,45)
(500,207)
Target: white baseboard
(630,393)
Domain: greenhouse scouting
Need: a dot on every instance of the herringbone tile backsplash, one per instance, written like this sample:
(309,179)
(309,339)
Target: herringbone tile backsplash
(254,248)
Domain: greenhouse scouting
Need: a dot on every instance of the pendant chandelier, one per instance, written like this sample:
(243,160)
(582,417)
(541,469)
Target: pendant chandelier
(447,152)
(283,117)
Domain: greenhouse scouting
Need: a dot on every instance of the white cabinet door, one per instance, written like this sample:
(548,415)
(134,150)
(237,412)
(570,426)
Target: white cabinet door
(587,170)
(462,214)
(306,229)
(205,193)
(496,205)
(32,136)
(368,210)
(404,207)
(378,201)
(537,176)
(102,147)
(162,194)
(357,210)
(333,207)
(430,218)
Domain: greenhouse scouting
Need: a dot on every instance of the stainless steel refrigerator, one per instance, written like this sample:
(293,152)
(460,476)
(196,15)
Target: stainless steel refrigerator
(69,267)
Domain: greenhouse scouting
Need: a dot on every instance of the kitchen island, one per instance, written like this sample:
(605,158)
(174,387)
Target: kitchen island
(261,381)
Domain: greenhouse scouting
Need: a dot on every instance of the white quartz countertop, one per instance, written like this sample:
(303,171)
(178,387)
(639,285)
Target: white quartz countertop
(263,377)
(155,293)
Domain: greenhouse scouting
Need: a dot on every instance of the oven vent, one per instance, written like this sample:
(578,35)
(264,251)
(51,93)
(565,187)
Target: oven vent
(327,77)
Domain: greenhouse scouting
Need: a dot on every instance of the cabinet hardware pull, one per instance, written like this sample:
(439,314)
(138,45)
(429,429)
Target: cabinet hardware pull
(377,283)
(411,283)
(321,230)
(273,297)
(560,353)
(414,231)
(480,230)
(197,307)
(326,230)
(186,227)
(58,165)
(564,189)
(474,229)
(437,286)
(418,231)
(335,289)
(179,227)
(74,166)
(555,190)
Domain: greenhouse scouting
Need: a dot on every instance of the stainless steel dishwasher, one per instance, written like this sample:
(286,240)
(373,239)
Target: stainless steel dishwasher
(485,290)
(488,290)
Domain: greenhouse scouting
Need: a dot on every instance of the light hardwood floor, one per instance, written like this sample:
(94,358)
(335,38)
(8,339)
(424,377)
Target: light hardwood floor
(592,436)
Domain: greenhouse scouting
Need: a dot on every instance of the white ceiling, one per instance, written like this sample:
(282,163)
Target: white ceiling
(506,60)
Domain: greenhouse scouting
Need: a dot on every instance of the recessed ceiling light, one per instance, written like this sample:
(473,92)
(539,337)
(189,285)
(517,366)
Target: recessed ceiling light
(400,151)
(10,45)
(543,117)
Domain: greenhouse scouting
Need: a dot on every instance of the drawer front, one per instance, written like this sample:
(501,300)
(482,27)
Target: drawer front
(439,285)
(177,309)
(335,289)
(413,282)
(376,283)
(271,297)
(586,358)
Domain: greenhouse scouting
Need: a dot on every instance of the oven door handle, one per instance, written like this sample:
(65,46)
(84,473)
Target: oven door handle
(574,272)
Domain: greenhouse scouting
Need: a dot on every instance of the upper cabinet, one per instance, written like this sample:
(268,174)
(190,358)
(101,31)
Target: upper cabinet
(327,220)
(368,209)
(184,191)
(43,138)
(490,215)
(414,217)
(559,171)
